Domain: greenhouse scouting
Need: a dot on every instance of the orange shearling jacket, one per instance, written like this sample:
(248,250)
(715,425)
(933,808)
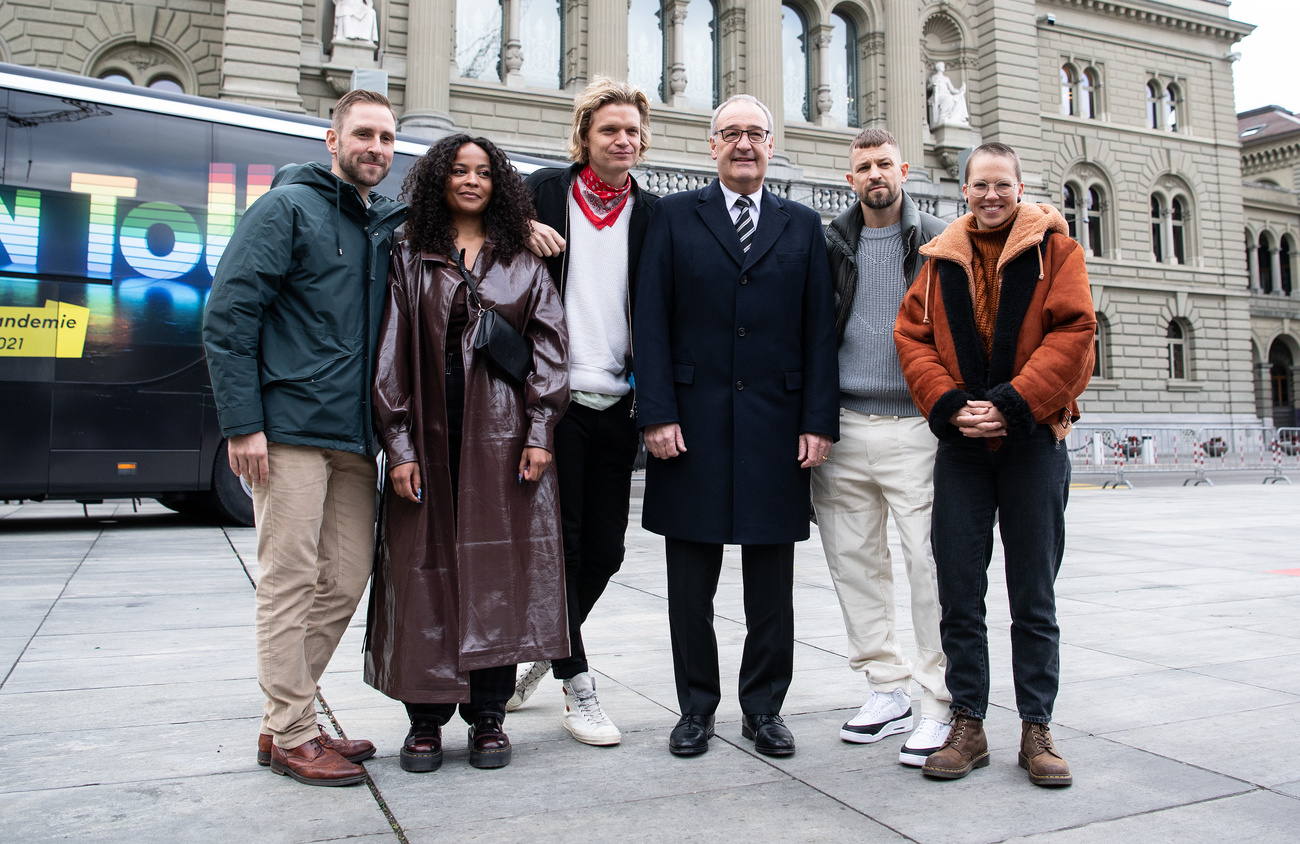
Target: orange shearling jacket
(1042,351)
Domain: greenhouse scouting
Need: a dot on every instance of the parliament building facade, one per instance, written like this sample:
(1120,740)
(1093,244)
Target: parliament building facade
(1122,111)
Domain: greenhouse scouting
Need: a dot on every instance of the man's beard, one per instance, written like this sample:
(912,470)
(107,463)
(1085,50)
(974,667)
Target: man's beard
(351,167)
(890,197)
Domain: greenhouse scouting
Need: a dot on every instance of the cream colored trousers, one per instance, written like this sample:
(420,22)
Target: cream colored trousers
(883,465)
(315,546)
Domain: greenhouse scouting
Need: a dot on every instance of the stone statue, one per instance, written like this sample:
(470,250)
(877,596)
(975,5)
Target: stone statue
(354,20)
(947,102)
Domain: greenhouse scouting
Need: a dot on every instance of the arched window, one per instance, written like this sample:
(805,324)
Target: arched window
(700,49)
(1070,202)
(1101,348)
(145,65)
(645,48)
(478,40)
(1177,215)
(844,71)
(1153,105)
(541,36)
(1093,216)
(1265,259)
(1172,101)
(1157,229)
(1284,265)
(794,64)
(1069,79)
(1176,338)
(1089,91)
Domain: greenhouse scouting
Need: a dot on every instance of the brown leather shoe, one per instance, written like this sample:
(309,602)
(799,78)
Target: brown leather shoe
(422,750)
(966,748)
(489,746)
(314,764)
(1038,756)
(353,751)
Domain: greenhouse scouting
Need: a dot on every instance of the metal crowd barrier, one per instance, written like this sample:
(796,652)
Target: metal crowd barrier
(1138,450)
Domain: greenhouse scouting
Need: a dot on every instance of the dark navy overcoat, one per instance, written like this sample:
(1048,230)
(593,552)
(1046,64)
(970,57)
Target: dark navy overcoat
(739,349)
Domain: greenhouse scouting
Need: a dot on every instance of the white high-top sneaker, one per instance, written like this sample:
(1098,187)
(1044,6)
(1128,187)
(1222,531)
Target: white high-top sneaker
(582,713)
(527,684)
(884,714)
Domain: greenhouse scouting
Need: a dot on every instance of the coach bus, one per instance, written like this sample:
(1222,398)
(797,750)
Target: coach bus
(116,204)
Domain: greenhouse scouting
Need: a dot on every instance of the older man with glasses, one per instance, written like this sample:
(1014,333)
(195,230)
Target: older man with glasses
(737,391)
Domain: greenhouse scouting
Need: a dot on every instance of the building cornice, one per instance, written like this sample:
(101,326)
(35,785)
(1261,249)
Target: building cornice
(1161,14)
(1256,161)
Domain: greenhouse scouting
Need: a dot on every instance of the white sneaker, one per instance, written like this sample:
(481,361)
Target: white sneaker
(527,684)
(923,741)
(582,713)
(884,714)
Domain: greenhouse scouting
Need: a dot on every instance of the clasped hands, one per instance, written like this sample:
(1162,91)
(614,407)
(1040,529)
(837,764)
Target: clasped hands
(979,419)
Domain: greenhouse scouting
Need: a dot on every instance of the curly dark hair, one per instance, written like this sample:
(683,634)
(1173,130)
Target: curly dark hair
(429,225)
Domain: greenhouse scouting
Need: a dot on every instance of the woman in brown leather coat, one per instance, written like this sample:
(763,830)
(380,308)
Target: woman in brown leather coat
(469,569)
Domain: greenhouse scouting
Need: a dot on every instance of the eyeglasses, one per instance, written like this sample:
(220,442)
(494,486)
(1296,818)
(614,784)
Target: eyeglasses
(1002,188)
(731,136)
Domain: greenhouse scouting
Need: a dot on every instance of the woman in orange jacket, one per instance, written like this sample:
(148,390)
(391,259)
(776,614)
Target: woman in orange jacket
(995,338)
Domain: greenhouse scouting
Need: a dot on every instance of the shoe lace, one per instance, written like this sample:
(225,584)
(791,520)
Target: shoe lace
(877,705)
(1041,738)
(927,735)
(589,707)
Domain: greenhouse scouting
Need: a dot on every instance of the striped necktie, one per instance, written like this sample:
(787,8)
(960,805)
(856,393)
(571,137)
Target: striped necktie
(744,222)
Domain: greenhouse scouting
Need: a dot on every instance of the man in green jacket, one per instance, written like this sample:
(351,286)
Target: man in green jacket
(290,331)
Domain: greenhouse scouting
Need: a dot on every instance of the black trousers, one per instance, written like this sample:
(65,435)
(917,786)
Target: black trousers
(489,688)
(768,659)
(594,454)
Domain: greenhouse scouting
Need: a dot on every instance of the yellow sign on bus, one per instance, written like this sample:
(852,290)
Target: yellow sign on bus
(57,330)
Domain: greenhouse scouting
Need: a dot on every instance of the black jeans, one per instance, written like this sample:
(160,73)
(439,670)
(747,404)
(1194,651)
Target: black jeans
(594,453)
(1024,485)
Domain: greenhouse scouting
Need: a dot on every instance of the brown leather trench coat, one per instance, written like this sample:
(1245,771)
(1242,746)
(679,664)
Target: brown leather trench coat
(487,588)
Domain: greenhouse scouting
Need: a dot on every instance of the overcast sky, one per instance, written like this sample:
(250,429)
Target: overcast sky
(1266,74)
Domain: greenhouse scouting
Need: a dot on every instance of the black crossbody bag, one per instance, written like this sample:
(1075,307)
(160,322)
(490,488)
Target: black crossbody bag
(496,338)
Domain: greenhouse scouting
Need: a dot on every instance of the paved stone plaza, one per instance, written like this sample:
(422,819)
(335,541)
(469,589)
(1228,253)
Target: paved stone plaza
(128,702)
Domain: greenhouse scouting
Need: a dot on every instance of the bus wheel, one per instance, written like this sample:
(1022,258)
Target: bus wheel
(231,500)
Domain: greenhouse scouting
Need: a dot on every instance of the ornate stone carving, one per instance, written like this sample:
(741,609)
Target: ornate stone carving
(514,57)
(677,81)
(354,20)
(733,20)
(947,102)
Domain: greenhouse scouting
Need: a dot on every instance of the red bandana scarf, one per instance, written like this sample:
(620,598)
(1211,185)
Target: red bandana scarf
(601,203)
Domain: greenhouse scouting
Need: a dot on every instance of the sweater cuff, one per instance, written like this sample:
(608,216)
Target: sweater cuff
(943,409)
(1020,419)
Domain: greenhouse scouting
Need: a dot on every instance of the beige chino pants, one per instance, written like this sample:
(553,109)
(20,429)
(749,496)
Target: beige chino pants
(883,465)
(315,546)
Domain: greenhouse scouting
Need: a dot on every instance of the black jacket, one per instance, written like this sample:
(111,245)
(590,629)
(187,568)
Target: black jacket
(550,189)
(293,316)
(918,229)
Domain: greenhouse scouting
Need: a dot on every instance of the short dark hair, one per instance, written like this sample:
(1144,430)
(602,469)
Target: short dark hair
(997,150)
(874,138)
(351,98)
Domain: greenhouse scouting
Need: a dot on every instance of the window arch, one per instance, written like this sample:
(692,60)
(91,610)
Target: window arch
(1172,224)
(646,48)
(1172,101)
(1079,91)
(1101,348)
(1265,262)
(1069,88)
(1153,105)
(1085,209)
(844,70)
(795,65)
(1178,337)
(1165,106)
(144,65)
(1089,93)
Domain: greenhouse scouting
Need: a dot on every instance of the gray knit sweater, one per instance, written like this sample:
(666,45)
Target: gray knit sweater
(871,381)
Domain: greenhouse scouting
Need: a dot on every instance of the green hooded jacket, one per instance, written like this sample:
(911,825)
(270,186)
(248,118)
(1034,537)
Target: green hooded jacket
(292,319)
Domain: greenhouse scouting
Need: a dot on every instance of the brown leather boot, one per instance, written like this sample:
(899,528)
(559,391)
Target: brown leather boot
(1039,756)
(489,746)
(422,750)
(314,764)
(967,747)
(353,750)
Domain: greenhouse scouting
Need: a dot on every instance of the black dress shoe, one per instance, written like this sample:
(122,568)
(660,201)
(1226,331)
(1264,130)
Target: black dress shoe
(489,746)
(769,733)
(691,735)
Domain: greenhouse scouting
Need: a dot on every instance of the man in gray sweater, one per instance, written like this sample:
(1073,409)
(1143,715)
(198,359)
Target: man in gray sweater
(884,461)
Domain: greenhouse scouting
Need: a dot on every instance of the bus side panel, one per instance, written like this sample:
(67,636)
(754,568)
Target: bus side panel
(24,439)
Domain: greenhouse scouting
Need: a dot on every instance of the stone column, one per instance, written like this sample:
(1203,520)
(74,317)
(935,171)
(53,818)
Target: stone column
(1275,263)
(260,53)
(1264,392)
(763,66)
(905,80)
(431,29)
(821,85)
(512,53)
(607,39)
(675,81)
